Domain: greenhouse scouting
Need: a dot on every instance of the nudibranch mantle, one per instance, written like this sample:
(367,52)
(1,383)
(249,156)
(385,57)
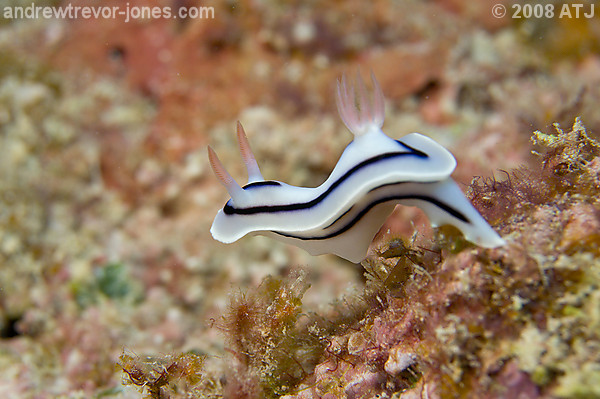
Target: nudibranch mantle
(342,215)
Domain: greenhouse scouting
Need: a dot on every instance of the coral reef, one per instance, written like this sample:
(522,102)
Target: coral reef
(515,321)
(176,373)
(486,323)
(106,199)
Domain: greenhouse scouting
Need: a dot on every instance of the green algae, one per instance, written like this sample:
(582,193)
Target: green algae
(111,281)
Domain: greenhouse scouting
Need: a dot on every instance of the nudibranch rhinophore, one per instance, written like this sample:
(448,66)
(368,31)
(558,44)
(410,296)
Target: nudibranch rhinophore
(342,215)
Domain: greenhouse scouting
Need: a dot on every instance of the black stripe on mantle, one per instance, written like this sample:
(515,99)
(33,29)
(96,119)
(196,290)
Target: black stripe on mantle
(231,210)
(440,204)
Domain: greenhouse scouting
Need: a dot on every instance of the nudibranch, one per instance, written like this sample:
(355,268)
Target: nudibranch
(373,175)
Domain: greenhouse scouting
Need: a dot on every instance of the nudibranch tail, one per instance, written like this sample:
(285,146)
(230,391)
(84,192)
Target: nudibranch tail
(233,188)
(254,174)
(357,111)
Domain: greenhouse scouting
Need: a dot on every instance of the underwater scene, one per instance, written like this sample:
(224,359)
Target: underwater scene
(299,199)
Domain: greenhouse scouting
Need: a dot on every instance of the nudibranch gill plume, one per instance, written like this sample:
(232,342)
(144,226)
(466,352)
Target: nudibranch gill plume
(373,175)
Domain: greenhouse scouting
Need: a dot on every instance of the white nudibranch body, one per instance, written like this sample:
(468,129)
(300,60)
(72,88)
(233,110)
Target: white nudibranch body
(342,215)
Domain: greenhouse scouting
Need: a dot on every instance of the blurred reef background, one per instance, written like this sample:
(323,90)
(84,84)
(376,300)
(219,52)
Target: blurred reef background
(112,287)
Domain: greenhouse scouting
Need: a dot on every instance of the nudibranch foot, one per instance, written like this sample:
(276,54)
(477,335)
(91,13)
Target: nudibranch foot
(372,176)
